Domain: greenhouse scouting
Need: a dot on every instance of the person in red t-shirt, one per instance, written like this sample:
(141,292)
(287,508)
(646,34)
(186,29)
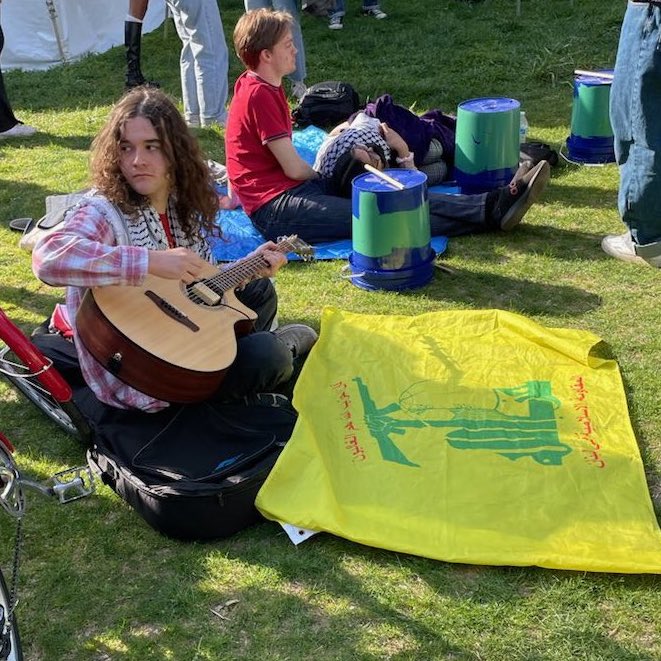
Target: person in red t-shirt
(265,171)
(283,195)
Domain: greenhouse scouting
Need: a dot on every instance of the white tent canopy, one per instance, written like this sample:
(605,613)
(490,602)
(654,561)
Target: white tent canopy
(42,33)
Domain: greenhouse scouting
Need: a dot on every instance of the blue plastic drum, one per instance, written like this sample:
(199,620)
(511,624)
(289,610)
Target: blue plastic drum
(391,234)
(591,139)
(487,143)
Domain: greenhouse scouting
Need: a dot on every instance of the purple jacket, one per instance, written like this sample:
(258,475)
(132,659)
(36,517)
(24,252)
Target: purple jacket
(417,131)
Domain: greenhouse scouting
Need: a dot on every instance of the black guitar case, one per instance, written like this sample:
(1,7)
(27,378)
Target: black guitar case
(192,471)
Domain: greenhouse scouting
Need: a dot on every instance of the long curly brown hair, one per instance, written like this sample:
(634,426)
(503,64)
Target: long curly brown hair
(195,199)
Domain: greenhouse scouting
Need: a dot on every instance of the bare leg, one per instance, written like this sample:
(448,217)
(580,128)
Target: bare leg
(138,8)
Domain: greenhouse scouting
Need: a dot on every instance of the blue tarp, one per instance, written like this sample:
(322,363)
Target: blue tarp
(240,236)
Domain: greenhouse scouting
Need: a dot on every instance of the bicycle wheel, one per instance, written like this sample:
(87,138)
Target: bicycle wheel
(63,413)
(10,641)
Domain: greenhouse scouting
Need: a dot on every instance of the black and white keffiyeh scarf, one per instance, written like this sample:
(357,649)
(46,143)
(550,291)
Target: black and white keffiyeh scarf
(144,229)
(335,146)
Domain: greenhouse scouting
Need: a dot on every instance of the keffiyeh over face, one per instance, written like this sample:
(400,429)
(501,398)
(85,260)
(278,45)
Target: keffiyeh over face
(335,146)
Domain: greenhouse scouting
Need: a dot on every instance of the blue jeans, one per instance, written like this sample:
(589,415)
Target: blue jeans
(290,6)
(311,212)
(634,109)
(203,61)
(341,8)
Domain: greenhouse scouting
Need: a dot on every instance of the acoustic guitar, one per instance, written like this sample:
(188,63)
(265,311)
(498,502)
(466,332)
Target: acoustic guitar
(170,340)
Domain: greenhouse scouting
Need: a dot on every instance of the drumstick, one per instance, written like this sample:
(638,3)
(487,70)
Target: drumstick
(606,75)
(387,178)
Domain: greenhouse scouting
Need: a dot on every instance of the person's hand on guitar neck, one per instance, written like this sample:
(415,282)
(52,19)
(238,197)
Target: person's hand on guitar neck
(272,257)
(176,264)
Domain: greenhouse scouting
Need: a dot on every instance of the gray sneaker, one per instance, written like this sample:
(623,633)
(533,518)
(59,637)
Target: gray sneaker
(19,130)
(298,338)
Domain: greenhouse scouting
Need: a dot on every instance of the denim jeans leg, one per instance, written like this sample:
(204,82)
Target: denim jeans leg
(187,71)
(262,360)
(370,3)
(339,9)
(634,111)
(306,210)
(457,215)
(314,215)
(204,59)
(260,296)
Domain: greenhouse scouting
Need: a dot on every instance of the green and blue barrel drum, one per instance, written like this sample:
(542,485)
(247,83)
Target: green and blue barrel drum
(591,139)
(391,237)
(486,143)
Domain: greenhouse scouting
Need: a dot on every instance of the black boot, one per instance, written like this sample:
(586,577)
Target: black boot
(132,39)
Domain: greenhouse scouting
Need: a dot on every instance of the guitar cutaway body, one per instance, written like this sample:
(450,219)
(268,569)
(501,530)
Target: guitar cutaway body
(165,339)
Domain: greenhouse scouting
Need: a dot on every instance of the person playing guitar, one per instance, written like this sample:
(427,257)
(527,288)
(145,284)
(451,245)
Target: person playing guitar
(147,216)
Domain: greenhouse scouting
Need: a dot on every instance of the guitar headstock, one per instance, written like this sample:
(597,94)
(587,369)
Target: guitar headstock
(293,244)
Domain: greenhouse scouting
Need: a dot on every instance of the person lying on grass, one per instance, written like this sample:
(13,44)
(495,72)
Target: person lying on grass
(283,195)
(429,137)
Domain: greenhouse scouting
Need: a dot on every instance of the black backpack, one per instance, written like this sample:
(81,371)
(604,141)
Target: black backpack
(534,152)
(326,104)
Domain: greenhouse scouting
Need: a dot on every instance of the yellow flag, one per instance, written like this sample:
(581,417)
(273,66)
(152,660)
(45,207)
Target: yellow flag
(469,436)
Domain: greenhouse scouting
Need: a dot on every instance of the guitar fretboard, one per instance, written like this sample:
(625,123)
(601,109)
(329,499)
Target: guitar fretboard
(241,271)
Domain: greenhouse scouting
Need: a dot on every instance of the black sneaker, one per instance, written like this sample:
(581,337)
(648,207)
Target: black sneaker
(299,338)
(513,201)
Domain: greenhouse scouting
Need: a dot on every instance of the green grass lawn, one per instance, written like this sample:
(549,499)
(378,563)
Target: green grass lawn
(97,583)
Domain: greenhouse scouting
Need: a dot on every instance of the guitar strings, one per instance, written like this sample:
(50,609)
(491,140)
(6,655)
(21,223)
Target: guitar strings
(243,268)
(234,275)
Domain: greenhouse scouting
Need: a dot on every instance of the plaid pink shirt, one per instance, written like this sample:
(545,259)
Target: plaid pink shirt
(85,253)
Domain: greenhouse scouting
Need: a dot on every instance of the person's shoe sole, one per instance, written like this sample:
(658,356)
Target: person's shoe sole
(538,178)
(21,224)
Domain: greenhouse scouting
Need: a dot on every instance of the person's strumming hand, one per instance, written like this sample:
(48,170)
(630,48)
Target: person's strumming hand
(176,264)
